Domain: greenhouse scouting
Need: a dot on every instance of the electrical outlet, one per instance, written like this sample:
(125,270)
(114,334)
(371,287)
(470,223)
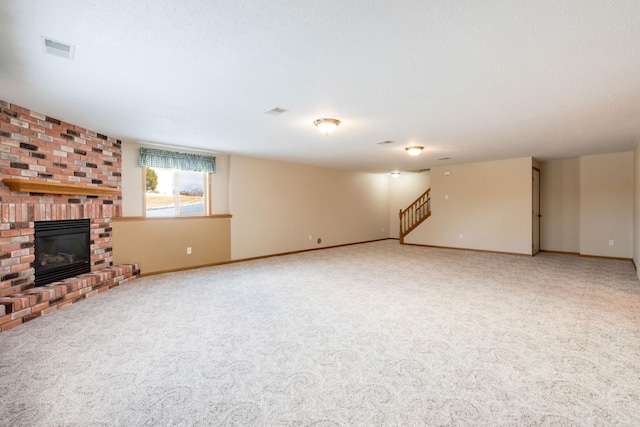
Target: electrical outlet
(319,241)
(189,250)
(383,229)
(611,242)
(461,236)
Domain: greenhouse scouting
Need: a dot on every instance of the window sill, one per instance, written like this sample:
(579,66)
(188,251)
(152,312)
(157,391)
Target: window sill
(170,218)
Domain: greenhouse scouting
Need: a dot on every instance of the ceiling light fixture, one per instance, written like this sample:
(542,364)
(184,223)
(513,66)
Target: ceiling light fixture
(414,150)
(327,126)
(395,174)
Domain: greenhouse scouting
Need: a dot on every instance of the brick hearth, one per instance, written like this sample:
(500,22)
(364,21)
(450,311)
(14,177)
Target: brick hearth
(40,148)
(35,302)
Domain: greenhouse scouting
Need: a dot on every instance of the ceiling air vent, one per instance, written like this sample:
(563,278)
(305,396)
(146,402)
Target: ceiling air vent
(53,47)
(276,111)
(384,142)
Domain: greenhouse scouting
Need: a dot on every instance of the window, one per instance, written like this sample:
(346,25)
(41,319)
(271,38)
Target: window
(171,192)
(176,184)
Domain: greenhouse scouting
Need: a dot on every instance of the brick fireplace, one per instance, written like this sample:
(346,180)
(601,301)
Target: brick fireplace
(50,171)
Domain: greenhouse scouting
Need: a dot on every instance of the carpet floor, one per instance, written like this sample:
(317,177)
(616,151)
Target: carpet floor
(369,334)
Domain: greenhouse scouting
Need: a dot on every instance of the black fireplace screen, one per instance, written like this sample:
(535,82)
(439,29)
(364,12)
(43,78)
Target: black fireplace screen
(62,250)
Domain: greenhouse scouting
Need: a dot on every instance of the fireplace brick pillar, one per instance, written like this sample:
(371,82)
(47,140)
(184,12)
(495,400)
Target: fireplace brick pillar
(37,147)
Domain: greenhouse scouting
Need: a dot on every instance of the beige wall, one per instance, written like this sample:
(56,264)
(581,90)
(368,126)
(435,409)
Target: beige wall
(403,190)
(219,185)
(132,184)
(488,203)
(560,205)
(160,244)
(133,180)
(277,205)
(606,205)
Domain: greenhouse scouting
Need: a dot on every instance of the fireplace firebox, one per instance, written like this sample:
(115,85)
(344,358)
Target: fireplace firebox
(62,250)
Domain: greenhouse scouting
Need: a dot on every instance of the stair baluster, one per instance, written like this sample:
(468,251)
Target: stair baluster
(415,214)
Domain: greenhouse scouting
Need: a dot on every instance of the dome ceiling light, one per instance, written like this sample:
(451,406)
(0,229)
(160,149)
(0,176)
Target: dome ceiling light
(327,126)
(414,150)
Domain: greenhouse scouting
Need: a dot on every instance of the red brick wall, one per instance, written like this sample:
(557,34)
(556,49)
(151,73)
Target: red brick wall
(37,147)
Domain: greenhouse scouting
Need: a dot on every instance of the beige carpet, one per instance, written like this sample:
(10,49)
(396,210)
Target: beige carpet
(371,334)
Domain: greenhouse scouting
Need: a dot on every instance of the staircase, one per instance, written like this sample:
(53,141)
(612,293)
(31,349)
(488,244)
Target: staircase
(415,214)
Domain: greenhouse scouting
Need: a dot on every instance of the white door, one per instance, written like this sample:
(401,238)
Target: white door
(535,247)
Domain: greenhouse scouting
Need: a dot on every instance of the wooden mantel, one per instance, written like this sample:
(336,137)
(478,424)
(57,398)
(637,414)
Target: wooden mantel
(39,186)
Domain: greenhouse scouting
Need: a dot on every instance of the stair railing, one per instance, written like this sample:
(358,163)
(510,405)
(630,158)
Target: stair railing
(415,214)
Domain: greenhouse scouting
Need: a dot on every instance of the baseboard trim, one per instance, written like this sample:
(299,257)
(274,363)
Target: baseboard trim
(592,256)
(607,257)
(467,249)
(234,261)
(214,264)
(177,270)
(560,252)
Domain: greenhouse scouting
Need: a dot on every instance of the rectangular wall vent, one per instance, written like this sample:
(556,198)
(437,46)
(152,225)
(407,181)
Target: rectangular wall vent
(54,47)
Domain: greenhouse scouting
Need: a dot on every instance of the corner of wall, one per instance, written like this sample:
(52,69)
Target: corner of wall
(636,208)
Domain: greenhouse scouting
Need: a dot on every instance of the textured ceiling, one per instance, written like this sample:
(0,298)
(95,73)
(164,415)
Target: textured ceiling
(469,80)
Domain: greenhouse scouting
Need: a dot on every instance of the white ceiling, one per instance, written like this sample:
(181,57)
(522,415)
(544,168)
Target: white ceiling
(469,80)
